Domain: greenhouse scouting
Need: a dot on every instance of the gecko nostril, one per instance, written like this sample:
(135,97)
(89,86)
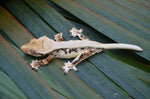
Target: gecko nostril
(22,47)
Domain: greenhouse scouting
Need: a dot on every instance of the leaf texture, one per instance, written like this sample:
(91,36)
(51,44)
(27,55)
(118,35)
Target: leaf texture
(112,74)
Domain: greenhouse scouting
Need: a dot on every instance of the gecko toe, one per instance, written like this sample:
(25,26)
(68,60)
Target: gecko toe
(36,70)
(77,70)
(62,67)
(69,31)
(71,35)
(28,65)
(32,68)
(65,73)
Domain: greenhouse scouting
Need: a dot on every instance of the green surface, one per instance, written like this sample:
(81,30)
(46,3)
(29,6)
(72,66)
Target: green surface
(111,74)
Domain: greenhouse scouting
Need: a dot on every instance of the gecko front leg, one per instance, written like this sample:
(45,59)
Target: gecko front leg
(36,63)
(74,32)
(81,56)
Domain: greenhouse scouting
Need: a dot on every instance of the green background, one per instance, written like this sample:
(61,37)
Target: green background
(112,74)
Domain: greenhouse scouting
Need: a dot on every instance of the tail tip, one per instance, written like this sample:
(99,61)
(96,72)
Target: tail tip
(139,49)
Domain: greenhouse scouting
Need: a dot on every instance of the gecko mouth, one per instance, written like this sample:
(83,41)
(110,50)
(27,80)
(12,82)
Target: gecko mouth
(26,50)
(31,52)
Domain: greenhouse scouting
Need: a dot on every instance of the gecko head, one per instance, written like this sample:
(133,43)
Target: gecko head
(33,47)
(38,47)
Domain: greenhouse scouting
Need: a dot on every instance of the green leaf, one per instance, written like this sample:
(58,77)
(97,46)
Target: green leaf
(9,88)
(112,74)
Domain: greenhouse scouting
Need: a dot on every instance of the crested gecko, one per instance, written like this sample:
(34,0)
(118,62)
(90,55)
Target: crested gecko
(78,49)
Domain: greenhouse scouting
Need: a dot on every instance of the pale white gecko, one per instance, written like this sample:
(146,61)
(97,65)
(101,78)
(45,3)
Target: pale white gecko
(78,49)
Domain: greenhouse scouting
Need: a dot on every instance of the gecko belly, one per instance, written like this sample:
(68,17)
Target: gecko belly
(67,52)
(72,52)
(69,55)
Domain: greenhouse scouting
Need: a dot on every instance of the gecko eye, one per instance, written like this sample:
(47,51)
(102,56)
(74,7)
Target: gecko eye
(32,52)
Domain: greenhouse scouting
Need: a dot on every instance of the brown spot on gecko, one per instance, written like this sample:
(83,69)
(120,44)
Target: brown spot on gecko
(92,50)
(65,50)
(39,54)
(74,49)
(75,62)
(83,37)
(52,54)
(57,50)
(38,63)
(41,61)
(47,59)
(98,48)
(61,39)
(69,31)
(89,47)
(69,50)
(81,56)
(82,48)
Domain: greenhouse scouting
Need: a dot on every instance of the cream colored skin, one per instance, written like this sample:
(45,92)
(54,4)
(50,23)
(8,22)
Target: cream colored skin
(78,49)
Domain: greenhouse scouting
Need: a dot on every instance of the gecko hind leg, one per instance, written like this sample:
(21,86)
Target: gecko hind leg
(36,63)
(58,37)
(83,55)
(74,32)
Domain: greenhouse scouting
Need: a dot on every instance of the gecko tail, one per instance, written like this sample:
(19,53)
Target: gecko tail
(122,46)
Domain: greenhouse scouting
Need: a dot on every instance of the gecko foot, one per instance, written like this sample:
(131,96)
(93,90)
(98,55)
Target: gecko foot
(68,66)
(34,65)
(74,32)
(58,37)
